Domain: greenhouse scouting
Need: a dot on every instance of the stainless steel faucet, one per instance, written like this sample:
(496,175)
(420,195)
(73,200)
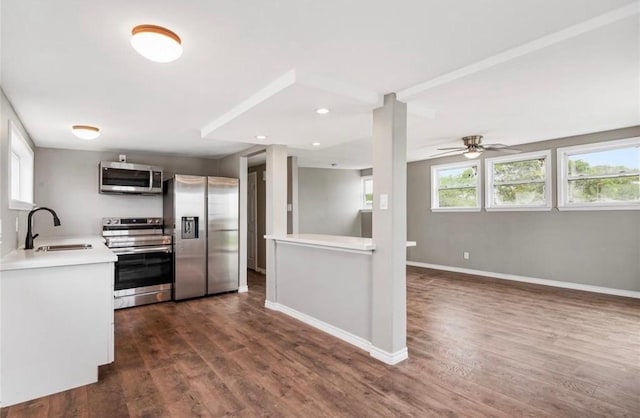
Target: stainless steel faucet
(28,241)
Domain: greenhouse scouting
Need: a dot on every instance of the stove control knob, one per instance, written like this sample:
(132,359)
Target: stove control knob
(107,221)
(116,221)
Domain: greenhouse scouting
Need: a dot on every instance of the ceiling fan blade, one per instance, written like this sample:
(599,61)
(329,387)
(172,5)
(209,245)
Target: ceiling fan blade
(504,150)
(447,152)
(495,146)
(453,148)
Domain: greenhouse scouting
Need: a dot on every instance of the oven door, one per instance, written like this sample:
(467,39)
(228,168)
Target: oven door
(143,266)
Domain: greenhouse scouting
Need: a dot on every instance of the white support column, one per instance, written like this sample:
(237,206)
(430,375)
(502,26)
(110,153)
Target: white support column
(389,298)
(276,210)
(242,238)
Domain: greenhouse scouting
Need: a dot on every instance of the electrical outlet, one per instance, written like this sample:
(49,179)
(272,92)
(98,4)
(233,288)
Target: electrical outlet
(465,255)
(384,201)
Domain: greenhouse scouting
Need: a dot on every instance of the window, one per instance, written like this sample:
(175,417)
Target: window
(455,187)
(604,175)
(367,192)
(21,171)
(521,182)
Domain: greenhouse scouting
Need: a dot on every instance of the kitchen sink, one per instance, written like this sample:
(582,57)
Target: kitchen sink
(67,247)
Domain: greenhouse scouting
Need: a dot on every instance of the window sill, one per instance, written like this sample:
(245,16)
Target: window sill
(455,209)
(520,209)
(599,207)
(20,205)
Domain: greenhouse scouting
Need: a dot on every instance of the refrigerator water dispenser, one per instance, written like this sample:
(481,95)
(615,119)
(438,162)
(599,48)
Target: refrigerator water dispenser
(189,227)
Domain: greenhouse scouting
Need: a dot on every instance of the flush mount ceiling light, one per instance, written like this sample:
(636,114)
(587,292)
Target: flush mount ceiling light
(315,144)
(261,137)
(156,43)
(85,131)
(322,111)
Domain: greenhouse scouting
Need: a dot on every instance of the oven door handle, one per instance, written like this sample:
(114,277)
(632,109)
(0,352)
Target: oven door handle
(141,250)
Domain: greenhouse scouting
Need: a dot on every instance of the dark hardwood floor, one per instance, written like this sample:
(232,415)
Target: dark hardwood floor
(477,347)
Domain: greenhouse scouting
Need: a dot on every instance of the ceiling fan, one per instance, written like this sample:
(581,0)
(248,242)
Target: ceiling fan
(473,148)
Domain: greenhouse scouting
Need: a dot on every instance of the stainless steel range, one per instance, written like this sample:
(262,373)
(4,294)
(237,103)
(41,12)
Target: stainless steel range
(144,271)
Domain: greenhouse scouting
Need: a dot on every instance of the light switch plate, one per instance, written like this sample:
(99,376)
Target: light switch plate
(384,201)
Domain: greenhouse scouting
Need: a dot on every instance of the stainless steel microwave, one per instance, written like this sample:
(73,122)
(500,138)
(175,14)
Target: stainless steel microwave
(130,178)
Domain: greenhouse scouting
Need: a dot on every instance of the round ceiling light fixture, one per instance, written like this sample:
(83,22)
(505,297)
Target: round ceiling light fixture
(156,43)
(322,111)
(315,144)
(471,154)
(261,137)
(85,131)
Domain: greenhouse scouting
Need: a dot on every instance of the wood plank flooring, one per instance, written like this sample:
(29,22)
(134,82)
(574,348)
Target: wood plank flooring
(477,347)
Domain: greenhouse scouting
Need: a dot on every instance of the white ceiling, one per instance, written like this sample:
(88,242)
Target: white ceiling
(516,72)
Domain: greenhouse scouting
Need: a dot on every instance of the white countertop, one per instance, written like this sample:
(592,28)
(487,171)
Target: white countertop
(334,241)
(28,259)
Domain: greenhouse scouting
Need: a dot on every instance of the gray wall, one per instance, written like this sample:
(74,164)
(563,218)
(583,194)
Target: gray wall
(600,248)
(10,239)
(67,182)
(329,285)
(329,201)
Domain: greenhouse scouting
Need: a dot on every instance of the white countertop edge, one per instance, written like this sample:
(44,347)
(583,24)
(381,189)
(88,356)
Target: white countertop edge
(30,259)
(333,241)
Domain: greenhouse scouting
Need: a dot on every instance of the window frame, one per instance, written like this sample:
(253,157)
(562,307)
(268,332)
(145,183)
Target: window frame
(363,202)
(435,199)
(548,183)
(19,146)
(563,155)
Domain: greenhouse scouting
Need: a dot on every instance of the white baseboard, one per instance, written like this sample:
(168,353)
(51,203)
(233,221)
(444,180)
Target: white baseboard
(363,344)
(387,357)
(243,289)
(524,279)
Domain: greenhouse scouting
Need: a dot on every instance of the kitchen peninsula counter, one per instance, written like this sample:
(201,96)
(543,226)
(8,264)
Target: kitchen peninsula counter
(326,282)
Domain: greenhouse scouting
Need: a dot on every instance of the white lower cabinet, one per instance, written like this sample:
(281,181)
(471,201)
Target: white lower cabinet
(56,328)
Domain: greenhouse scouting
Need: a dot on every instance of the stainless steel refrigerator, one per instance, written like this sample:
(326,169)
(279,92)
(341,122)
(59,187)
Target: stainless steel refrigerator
(201,213)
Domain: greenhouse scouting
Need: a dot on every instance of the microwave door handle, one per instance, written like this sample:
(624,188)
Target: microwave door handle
(150,179)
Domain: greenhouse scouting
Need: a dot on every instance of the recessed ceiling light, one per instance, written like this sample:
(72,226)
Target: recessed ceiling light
(261,137)
(85,131)
(156,43)
(322,111)
(316,144)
